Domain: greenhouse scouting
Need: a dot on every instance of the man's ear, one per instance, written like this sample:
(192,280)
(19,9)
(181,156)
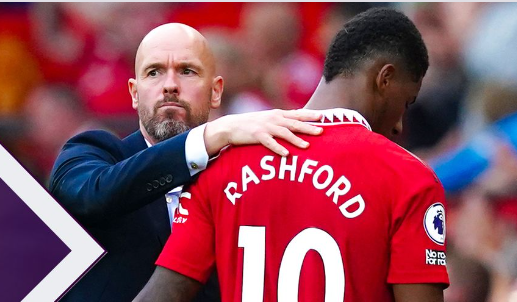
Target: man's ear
(385,77)
(217,92)
(134,93)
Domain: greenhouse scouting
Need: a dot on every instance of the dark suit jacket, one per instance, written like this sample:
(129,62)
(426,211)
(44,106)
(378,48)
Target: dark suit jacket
(115,189)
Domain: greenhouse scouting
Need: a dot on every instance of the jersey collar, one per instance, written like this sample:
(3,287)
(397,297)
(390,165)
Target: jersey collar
(342,115)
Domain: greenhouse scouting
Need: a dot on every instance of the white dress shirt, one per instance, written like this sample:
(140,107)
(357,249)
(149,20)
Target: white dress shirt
(197,160)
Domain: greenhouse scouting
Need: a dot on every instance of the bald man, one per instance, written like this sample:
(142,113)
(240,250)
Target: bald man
(125,191)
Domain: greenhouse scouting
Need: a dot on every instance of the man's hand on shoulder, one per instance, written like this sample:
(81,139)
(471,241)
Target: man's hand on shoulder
(262,128)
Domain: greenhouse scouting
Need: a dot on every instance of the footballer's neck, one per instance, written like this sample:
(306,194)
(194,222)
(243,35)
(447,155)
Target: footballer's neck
(342,92)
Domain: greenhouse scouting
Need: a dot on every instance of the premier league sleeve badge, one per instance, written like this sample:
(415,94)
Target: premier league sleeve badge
(434,223)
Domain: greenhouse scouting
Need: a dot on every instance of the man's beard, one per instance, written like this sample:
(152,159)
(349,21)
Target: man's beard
(161,127)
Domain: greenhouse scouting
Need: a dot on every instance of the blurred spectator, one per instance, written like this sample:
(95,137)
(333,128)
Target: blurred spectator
(490,52)
(202,15)
(482,171)
(461,167)
(490,57)
(334,17)
(52,114)
(103,82)
(241,92)
(271,37)
(19,69)
(18,73)
(470,280)
(62,40)
(436,111)
(480,234)
(92,45)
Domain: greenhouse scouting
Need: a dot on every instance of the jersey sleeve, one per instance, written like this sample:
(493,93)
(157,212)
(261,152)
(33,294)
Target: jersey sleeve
(190,250)
(418,245)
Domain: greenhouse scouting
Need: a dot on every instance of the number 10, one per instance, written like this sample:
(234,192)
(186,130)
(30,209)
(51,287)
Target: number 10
(253,240)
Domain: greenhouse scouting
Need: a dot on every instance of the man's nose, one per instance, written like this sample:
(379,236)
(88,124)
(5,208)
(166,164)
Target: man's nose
(398,128)
(171,85)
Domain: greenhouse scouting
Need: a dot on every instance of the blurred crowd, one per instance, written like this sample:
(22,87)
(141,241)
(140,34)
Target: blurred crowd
(64,69)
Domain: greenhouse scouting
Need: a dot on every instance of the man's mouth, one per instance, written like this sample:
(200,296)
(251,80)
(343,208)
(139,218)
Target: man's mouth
(170,104)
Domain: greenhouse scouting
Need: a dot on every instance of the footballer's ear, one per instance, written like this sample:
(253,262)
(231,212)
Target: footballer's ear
(385,77)
(217,92)
(134,92)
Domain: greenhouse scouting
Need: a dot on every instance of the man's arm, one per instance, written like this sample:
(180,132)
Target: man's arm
(261,128)
(93,182)
(418,244)
(95,186)
(168,286)
(431,292)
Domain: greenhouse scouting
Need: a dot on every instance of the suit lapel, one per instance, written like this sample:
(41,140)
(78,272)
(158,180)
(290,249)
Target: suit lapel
(133,144)
(160,216)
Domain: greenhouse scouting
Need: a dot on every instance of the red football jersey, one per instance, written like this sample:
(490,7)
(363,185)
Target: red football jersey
(340,221)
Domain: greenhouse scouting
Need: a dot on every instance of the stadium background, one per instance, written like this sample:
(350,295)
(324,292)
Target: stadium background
(64,69)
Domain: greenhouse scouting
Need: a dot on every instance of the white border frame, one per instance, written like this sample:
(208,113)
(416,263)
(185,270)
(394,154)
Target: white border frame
(85,251)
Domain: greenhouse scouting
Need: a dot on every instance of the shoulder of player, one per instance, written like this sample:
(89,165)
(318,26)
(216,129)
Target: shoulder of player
(235,153)
(231,159)
(407,163)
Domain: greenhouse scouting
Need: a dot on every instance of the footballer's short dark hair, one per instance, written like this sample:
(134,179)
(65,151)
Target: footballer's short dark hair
(377,32)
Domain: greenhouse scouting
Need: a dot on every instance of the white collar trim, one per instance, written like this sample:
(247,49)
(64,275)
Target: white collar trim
(147,143)
(347,116)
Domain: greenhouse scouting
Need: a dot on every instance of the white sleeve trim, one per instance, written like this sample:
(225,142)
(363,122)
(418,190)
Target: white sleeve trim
(195,150)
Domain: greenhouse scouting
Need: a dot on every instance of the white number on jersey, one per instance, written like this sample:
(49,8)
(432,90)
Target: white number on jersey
(253,240)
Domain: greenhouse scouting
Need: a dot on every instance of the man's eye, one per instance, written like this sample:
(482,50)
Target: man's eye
(152,73)
(188,71)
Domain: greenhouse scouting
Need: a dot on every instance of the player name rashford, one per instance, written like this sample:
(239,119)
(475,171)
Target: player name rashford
(322,179)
